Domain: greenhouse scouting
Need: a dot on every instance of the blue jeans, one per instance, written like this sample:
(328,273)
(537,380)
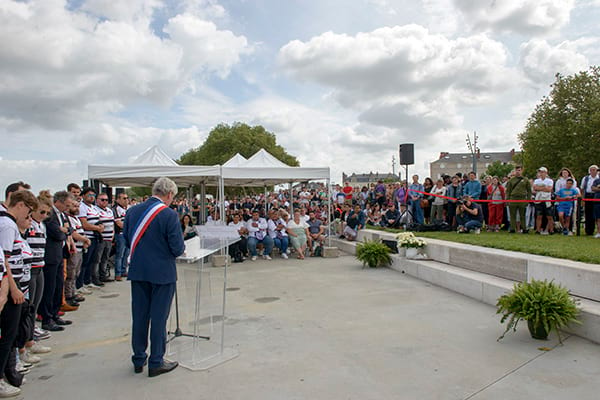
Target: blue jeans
(89,257)
(468,224)
(121,254)
(415,208)
(267,241)
(282,243)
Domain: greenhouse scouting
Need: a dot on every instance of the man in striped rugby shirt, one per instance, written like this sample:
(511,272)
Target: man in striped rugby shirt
(19,207)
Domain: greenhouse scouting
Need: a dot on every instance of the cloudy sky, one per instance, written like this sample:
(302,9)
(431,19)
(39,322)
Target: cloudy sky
(340,82)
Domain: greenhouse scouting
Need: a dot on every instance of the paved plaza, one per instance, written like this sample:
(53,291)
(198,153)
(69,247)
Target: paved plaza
(322,329)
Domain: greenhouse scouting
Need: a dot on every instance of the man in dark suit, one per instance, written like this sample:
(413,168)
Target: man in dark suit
(57,231)
(153,234)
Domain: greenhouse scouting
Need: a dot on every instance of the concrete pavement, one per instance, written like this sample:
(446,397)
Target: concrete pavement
(322,329)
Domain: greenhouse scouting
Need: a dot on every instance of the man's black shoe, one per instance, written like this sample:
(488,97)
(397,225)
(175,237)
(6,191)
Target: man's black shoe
(98,283)
(60,321)
(511,231)
(52,327)
(167,366)
(73,303)
(526,231)
(107,280)
(140,369)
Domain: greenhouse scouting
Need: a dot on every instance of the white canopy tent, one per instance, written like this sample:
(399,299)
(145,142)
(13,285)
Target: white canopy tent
(150,165)
(262,169)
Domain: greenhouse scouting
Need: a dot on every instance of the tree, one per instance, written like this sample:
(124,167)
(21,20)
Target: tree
(564,129)
(224,141)
(499,169)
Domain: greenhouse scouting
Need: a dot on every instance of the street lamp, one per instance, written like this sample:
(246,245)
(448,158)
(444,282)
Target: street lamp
(472,145)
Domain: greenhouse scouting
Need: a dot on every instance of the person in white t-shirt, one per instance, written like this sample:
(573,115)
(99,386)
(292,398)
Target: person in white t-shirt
(257,233)
(278,231)
(542,189)
(241,246)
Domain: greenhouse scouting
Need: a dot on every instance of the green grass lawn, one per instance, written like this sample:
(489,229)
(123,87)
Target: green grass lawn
(582,248)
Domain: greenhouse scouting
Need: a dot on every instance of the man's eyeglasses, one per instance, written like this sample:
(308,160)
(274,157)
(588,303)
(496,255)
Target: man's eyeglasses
(44,212)
(102,199)
(90,195)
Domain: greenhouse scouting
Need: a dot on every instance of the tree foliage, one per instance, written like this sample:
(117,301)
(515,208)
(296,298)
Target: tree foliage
(564,129)
(224,141)
(499,169)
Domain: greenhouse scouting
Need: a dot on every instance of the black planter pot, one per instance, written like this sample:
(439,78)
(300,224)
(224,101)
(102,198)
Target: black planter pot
(537,332)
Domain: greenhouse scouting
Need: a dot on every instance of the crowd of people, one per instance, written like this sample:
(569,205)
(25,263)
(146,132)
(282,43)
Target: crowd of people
(59,248)
(56,252)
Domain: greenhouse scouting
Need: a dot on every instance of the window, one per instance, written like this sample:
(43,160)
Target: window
(487,156)
(442,165)
(459,165)
(464,157)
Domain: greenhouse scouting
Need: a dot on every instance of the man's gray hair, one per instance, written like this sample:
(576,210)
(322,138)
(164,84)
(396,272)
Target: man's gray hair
(163,186)
(62,196)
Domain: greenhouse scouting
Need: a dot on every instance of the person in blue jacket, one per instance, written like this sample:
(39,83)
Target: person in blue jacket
(472,187)
(153,234)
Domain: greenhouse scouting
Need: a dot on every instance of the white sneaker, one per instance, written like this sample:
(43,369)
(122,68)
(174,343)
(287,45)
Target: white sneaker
(597,235)
(39,349)
(253,258)
(21,368)
(266,257)
(477,231)
(28,357)
(92,286)
(288,251)
(284,255)
(544,233)
(84,290)
(7,390)
(570,233)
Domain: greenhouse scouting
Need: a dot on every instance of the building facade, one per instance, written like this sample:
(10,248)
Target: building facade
(367,179)
(451,163)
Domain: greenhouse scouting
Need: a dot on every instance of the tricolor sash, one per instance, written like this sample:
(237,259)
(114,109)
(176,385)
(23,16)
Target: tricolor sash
(143,225)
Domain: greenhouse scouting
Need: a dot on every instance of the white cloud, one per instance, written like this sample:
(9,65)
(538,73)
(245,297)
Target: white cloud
(402,76)
(528,17)
(122,10)
(59,67)
(541,61)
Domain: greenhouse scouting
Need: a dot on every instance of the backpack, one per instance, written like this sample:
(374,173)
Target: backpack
(318,251)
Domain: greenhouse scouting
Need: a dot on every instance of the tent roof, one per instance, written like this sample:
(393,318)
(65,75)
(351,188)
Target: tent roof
(236,161)
(264,159)
(262,169)
(145,175)
(150,165)
(153,156)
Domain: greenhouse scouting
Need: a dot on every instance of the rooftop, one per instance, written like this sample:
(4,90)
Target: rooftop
(504,157)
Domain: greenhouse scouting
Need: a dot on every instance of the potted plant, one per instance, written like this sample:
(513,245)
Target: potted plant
(410,243)
(373,253)
(546,306)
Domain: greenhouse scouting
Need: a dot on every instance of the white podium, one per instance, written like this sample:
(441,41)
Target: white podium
(196,340)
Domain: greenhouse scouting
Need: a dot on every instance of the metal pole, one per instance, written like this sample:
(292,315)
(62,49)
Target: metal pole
(202,219)
(329,210)
(291,201)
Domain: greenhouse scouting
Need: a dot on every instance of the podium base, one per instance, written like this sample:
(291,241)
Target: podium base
(198,355)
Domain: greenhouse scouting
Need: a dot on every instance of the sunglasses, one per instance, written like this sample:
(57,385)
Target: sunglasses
(102,199)
(90,195)
(44,212)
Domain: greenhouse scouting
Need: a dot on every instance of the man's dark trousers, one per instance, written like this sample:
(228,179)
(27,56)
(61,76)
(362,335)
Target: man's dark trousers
(150,306)
(54,280)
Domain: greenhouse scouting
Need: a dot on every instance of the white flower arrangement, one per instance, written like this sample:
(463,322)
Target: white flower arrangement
(408,240)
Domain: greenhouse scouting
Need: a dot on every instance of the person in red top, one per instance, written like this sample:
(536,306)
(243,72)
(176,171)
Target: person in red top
(496,193)
(347,190)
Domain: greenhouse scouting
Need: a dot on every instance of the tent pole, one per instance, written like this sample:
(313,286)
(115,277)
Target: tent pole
(202,218)
(329,211)
(291,201)
(222,186)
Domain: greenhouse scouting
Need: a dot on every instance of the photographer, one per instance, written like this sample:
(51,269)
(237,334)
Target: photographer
(469,215)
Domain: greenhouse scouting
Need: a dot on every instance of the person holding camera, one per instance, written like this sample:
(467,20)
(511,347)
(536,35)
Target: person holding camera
(469,215)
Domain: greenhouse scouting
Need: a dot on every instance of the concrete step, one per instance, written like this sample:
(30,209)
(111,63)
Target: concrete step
(479,286)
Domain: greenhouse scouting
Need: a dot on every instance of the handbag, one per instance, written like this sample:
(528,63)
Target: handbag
(424,203)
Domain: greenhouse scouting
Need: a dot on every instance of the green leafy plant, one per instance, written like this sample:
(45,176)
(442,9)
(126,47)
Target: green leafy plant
(542,304)
(373,253)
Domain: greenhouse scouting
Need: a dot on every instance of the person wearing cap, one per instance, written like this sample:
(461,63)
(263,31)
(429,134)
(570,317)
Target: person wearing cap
(587,185)
(518,188)
(543,187)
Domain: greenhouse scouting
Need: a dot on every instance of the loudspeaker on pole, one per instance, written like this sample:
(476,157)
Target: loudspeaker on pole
(407,154)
